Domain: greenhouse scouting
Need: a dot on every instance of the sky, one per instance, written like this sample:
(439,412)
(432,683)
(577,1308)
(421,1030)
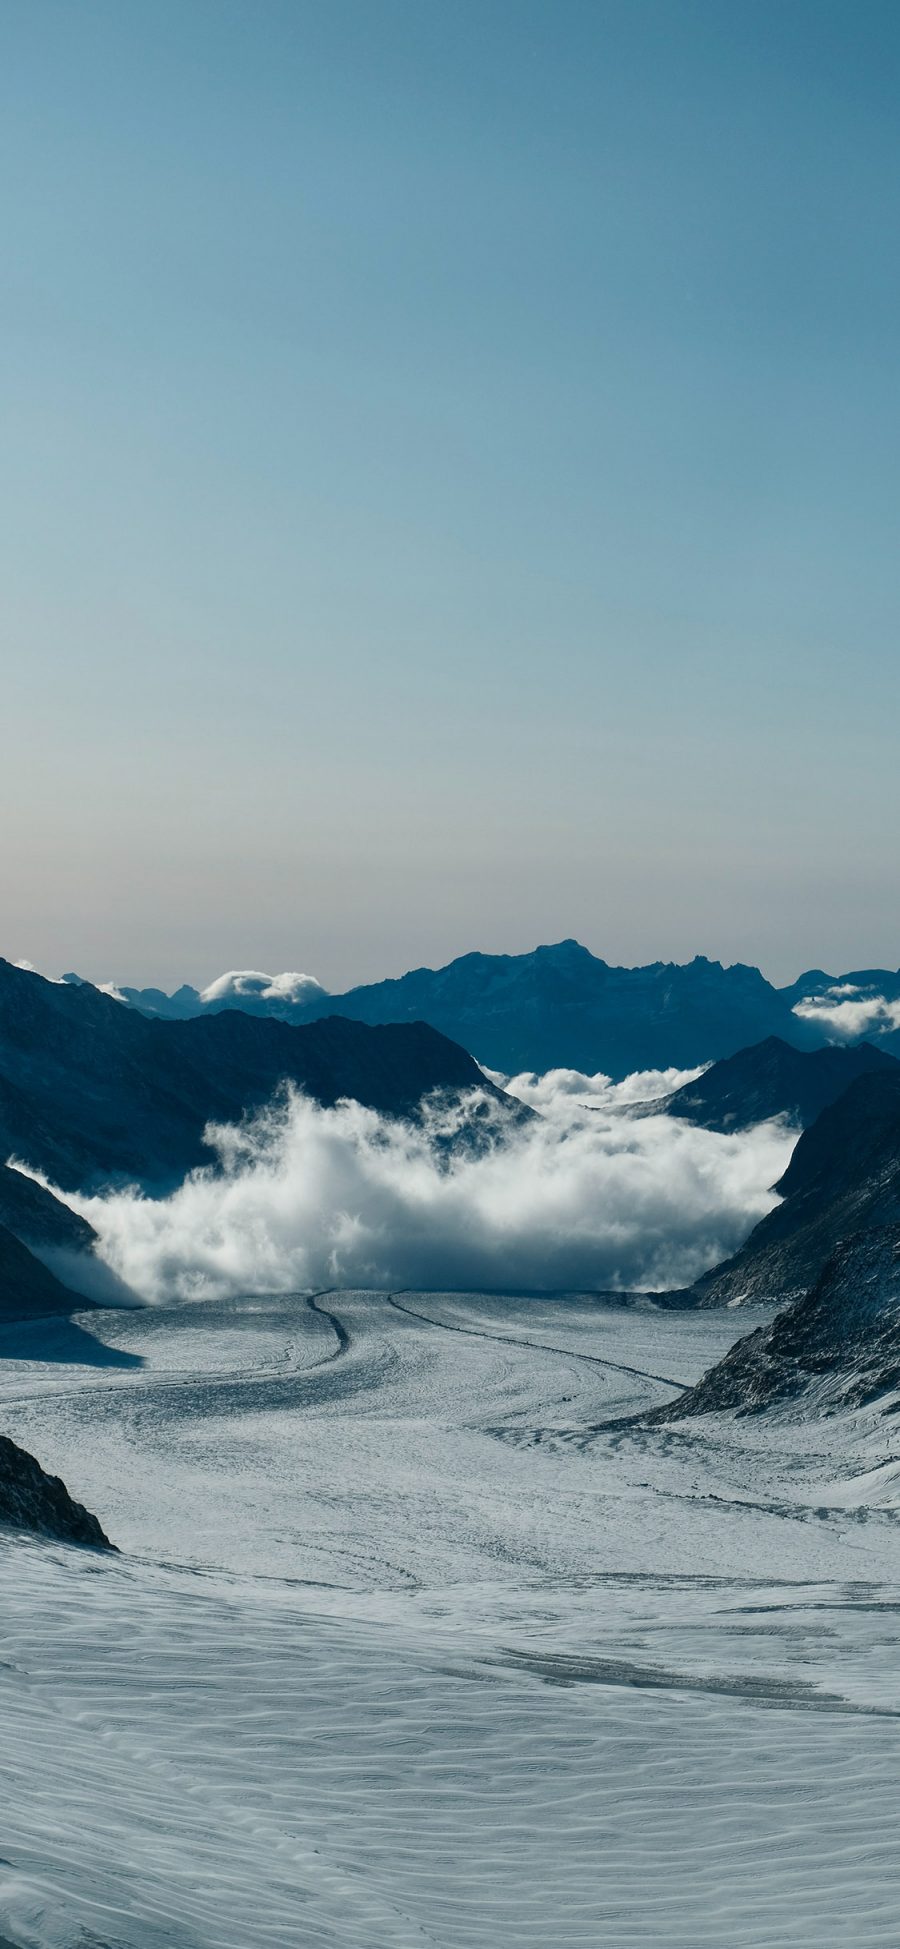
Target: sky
(450,482)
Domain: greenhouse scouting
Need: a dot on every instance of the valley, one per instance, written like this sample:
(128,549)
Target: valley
(419,1636)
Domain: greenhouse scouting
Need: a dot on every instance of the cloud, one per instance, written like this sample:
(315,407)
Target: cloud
(560,1093)
(249,982)
(848,1012)
(585,1196)
(29,968)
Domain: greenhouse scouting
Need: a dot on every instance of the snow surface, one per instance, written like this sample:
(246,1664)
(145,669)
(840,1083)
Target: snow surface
(415,1641)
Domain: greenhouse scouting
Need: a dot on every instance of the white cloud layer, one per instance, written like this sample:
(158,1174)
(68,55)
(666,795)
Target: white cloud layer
(585,1196)
(561,1093)
(846,1013)
(246,982)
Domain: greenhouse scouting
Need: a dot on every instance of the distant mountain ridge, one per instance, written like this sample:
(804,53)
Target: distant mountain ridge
(92,1093)
(282,996)
(772,1079)
(562,1007)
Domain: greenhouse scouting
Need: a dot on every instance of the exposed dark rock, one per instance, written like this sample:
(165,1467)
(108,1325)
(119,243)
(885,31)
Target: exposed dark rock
(36,1217)
(841,1339)
(772,1079)
(27,1290)
(30,1499)
(843,1177)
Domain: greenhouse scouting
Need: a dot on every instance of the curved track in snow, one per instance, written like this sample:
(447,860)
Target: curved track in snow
(409,1649)
(535,1346)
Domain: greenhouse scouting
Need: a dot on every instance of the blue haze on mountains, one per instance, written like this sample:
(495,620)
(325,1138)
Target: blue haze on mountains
(561,1006)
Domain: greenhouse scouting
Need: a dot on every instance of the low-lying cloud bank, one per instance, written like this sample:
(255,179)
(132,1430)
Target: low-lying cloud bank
(587,1195)
(845,1012)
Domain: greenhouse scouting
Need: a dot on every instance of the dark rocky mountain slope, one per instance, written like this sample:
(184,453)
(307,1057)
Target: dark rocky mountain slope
(772,1079)
(27,1290)
(840,1343)
(92,1092)
(843,1177)
(30,1499)
(39,1219)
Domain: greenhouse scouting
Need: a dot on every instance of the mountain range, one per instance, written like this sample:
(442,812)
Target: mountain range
(772,1079)
(562,1007)
(92,1093)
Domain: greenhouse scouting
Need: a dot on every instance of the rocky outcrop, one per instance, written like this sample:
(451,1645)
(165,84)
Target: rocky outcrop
(39,1219)
(772,1079)
(841,1341)
(27,1290)
(32,1500)
(843,1177)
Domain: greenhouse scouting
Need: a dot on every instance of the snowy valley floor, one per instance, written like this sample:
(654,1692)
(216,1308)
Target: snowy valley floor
(412,1645)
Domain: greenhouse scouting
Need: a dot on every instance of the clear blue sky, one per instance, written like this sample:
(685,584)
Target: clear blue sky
(450,487)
